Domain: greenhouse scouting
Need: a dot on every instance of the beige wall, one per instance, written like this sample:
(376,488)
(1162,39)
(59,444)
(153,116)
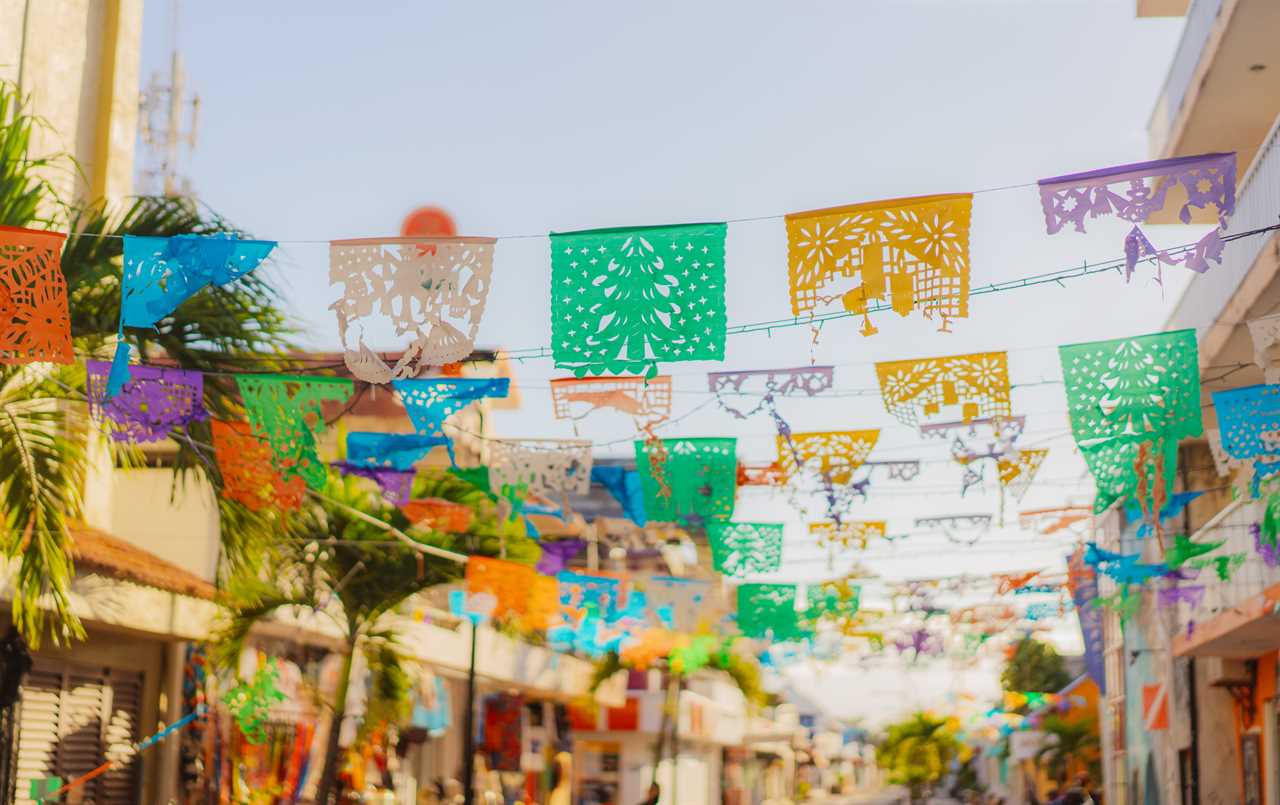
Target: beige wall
(78,62)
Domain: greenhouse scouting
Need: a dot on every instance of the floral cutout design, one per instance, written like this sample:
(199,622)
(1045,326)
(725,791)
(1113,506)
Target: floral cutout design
(957,387)
(623,300)
(745,549)
(769,611)
(286,411)
(909,254)
(702,476)
(431,289)
(35,325)
(154,402)
(248,476)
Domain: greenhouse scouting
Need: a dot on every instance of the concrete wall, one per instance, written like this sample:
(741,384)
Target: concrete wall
(78,61)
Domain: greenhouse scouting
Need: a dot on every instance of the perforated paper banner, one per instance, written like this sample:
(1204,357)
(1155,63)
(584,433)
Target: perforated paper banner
(1265,334)
(557,554)
(248,475)
(396,485)
(432,290)
(764,385)
(398,451)
(745,549)
(34,322)
(679,603)
(285,409)
(702,476)
(1207,179)
(1249,427)
(832,454)
(645,400)
(626,487)
(520,592)
(1184,549)
(908,254)
(958,387)
(153,403)
(162,273)
(549,467)
(847,533)
(430,401)
(624,299)
(589,594)
(1019,470)
(1142,390)
(832,601)
(769,610)
(439,514)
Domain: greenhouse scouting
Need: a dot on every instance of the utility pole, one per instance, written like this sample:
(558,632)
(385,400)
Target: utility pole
(161,121)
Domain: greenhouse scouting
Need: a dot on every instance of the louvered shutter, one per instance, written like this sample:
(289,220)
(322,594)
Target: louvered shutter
(70,719)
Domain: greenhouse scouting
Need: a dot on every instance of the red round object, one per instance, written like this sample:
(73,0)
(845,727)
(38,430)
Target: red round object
(428,222)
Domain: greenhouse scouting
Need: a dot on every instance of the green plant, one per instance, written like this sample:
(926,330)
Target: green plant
(1034,667)
(917,752)
(338,564)
(1071,744)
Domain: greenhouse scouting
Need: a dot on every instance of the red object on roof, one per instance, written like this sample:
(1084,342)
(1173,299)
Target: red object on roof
(426,222)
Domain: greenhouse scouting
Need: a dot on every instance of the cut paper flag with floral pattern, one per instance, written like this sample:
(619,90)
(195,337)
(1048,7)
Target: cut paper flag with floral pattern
(848,533)
(431,289)
(1018,471)
(431,401)
(1130,401)
(646,400)
(1207,179)
(1265,334)
(622,300)
(830,459)
(162,273)
(439,514)
(286,411)
(770,474)
(745,549)
(832,602)
(947,389)
(149,406)
(35,325)
(1054,519)
(549,468)
(702,475)
(908,254)
(961,529)
(1249,428)
(1190,594)
(387,459)
(769,611)
(1224,566)
(248,474)
(556,555)
(626,487)
(521,593)
(765,386)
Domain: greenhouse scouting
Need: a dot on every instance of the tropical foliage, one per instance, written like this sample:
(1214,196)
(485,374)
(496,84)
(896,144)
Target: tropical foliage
(918,752)
(43,427)
(1072,745)
(344,560)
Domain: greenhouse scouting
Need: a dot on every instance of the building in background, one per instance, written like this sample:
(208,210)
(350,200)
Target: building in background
(78,62)
(1190,710)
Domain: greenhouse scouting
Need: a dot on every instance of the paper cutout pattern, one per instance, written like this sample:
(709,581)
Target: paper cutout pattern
(848,533)
(808,381)
(285,409)
(432,288)
(162,273)
(646,400)
(396,485)
(1249,428)
(769,610)
(1019,470)
(626,487)
(1265,334)
(832,454)
(952,525)
(148,407)
(1142,391)
(770,474)
(520,592)
(908,253)
(624,299)
(1224,566)
(248,475)
(399,451)
(971,386)
(439,514)
(1206,179)
(679,603)
(546,467)
(1183,550)
(702,474)
(745,549)
(557,554)
(431,401)
(34,322)
(832,602)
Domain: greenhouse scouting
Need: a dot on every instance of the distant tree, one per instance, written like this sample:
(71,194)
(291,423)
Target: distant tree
(917,752)
(1035,667)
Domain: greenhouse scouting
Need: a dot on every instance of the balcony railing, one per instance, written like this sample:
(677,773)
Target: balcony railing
(1200,19)
(1257,205)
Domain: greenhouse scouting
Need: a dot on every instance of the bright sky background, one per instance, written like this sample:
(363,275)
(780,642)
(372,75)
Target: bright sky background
(326,120)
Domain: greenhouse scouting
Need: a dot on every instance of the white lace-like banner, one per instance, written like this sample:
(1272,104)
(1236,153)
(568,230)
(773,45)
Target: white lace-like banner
(544,466)
(430,289)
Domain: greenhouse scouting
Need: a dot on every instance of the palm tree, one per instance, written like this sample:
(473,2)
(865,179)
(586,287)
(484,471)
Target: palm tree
(338,558)
(917,752)
(1071,744)
(42,414)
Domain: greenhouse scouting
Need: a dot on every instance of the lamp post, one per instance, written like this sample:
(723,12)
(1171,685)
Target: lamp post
(475,608)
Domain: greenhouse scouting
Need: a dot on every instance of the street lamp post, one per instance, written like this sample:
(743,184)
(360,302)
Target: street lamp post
(476,609)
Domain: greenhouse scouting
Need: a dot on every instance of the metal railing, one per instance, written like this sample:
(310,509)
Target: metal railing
(1257,205)
(1200,19)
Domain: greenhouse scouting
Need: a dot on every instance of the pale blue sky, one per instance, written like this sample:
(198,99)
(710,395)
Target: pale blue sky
(328,120)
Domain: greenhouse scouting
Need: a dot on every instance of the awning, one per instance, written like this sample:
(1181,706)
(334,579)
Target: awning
(1250,629)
